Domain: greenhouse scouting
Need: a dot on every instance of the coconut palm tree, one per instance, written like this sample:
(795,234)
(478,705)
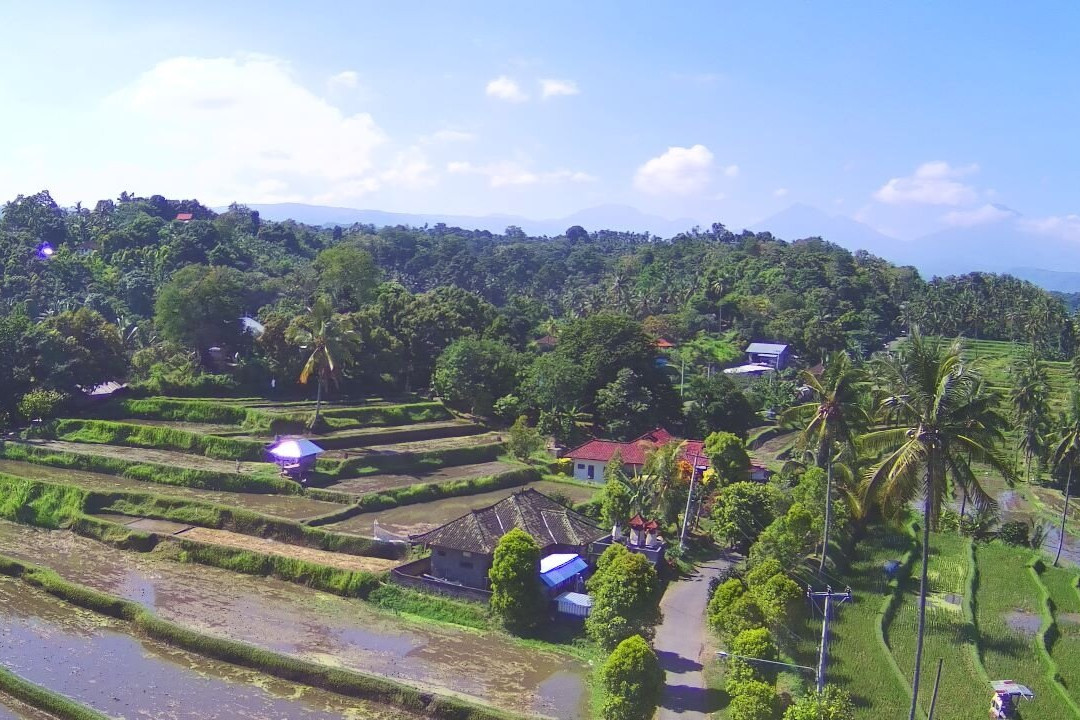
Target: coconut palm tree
(665,467)
(331,345)
(944,419)
(831,421)
(1066,454)
(1028,397)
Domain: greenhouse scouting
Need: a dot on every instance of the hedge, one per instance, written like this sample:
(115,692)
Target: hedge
(344,682)
(258,482)
(106,432)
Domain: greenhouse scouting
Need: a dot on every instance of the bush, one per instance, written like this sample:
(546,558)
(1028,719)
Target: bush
(632,681)
(831,704)
(41,404)
(722,598)
(625,592)
(516,597)
(1014,533)
(564,466)
(755,643)
(753,700)
(742,511)
(524,440)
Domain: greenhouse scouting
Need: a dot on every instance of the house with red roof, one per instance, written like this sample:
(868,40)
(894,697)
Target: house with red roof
(184,217)
(591,457)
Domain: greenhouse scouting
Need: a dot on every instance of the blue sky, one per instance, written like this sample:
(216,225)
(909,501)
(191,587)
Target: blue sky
(908,116)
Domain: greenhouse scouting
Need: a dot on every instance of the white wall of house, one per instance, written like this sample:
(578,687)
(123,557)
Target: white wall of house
(589,471)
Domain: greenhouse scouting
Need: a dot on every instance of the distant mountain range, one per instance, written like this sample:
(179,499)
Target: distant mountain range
(603,217)
(1005,246)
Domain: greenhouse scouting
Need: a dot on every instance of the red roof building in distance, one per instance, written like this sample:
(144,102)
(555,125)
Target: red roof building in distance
(664,344)
(548,342)
(591,457)
(183,217)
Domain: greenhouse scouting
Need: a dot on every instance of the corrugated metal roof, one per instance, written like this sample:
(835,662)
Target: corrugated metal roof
(766,348)
(564,572)
(294,449)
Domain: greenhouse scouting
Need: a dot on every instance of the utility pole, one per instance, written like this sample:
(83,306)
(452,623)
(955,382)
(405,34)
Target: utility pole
(823,653)
(689,500)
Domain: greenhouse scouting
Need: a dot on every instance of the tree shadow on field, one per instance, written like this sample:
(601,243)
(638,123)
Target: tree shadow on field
(673,662)
(685,698)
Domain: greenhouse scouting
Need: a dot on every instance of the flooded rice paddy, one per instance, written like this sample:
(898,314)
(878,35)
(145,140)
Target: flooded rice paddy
(92,660)
(147,455)
(412,519)
(316,626)
(292,507)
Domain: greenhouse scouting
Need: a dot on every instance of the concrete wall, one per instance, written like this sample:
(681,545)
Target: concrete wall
(582,468)
(414,575)
(460,566)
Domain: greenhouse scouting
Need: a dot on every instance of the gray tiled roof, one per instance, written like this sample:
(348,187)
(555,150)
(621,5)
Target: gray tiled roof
(546,520)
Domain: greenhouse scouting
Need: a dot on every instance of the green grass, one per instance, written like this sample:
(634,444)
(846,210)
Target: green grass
(1063,636)
(409,462)
(53,703)
(1006,589)
(430,606)
(263,480)
(413,494)
(949,632)
(106,432)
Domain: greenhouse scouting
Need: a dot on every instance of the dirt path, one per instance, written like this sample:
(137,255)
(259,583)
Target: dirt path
(159,457)
(290,507)
(272,547)
(680,645)
(289,618)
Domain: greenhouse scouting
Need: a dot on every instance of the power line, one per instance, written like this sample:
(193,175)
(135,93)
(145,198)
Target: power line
(823,654)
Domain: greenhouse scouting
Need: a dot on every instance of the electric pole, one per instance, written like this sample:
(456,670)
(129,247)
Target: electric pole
(823,653)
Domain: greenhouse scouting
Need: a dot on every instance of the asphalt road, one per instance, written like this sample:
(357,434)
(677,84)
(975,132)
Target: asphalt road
(680,642)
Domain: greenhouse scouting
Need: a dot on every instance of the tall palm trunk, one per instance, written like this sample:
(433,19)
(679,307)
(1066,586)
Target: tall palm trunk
(828,514)
(1064,514)
(922,599)
(318,402)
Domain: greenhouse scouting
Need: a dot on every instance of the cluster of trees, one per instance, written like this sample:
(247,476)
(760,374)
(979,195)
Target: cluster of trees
(626,592)
(173,290)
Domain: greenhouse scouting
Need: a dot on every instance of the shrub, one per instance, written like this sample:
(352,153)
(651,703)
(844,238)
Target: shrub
(564,466)
(753,700)
(41,404)
(830,704)
(524,440)
(1014,533)
(632,681)
(780,599)
(516,597)
(742,511)
(754,643)
(722,598)
(625,592)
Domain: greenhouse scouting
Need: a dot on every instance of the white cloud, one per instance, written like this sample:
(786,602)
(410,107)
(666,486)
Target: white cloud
(411,170)
(505,88)
(731,171)
(504,174)
(933,183)
(345,80)
(1066,227)
(780,192)
(984,215)
(550,87)
(679,171)
(242,128)
(448,136)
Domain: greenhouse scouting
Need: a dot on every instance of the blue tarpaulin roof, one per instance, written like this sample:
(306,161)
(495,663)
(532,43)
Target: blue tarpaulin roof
(564,572)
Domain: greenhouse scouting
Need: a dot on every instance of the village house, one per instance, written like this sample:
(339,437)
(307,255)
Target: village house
(762,358)
(462,551)
(592,457)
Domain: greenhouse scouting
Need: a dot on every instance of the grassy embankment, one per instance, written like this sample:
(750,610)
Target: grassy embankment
(56,705)
(344,682)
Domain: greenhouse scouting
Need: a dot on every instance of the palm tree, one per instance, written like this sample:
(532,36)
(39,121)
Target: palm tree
(1028,396)
(1067,453)
(945,419)
(833,418)
(664,468)
(331,344)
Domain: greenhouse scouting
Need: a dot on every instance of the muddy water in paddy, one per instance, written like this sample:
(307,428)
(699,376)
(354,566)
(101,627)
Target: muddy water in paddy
(412,519)
(92,660)
(293,507)
(314,625)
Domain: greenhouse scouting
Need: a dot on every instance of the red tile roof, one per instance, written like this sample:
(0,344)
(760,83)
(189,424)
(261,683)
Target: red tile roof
(633,452)
(662,343)
(640,523)
(183,217)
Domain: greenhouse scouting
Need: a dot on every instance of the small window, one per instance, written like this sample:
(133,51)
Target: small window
(581,466)
(466,564)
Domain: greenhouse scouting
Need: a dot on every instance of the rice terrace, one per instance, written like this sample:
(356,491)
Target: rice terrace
(579,361)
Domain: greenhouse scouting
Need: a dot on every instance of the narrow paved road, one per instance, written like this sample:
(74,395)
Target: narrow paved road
(680,642)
